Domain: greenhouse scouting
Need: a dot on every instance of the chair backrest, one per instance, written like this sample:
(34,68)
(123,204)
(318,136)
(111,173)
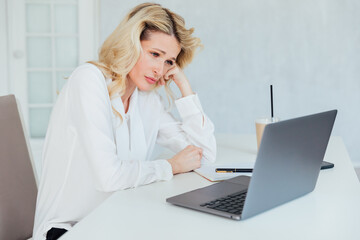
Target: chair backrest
(18,189)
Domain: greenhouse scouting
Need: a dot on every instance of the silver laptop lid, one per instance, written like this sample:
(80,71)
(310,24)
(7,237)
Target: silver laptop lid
(288,161)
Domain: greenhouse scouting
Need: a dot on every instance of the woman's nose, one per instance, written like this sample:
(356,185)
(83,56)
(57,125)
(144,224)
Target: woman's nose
(158,69)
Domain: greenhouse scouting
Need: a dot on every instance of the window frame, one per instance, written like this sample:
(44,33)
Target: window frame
(88,40)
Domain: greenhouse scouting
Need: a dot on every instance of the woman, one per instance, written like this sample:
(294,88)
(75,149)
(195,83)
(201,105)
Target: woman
(107,119)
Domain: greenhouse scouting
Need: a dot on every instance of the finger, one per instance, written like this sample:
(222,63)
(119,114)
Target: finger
(173,67)
(195,151)
(168,76)
(170,73)
(162,81)
(200,150)
(197,154)
(198,163)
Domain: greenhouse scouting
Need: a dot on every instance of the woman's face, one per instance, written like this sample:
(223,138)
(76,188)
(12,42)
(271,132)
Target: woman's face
(158,55)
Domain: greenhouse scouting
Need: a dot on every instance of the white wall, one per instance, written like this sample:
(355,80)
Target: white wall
(309,50)
(4,84)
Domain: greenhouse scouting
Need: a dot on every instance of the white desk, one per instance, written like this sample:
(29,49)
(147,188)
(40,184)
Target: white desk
(331,211)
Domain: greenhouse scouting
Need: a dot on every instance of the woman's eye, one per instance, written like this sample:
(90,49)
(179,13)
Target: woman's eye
(170,62)
(155,54)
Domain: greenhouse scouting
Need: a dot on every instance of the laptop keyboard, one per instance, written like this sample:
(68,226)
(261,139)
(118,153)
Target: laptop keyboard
(233,203)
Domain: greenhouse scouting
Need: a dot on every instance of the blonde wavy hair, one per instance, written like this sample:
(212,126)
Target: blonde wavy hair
(121,50)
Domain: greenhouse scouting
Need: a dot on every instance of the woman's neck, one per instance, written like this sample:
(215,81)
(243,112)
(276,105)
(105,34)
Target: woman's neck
(130,88)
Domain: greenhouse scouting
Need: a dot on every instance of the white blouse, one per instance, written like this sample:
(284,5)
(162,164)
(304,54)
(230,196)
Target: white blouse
(89,153)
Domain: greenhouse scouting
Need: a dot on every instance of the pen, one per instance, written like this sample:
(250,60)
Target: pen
(233,170)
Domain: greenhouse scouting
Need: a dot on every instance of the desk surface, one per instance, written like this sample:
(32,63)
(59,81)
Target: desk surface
(331,211)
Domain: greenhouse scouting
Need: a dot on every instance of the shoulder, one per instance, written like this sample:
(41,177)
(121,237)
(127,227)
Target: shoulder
(87,75)
(86,71)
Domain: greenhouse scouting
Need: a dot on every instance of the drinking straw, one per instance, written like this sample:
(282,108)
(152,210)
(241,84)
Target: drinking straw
(272,105)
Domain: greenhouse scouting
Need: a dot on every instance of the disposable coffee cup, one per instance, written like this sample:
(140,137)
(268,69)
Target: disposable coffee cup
(260,124)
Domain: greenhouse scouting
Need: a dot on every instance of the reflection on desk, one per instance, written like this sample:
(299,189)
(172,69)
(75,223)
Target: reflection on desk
(331,211)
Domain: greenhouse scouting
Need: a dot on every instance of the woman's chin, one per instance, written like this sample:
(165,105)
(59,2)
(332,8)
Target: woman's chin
(149,87)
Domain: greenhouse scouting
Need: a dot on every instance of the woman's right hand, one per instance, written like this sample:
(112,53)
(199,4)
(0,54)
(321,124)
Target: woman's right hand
(186,160)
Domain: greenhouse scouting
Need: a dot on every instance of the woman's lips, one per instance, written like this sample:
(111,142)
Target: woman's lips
(150,80)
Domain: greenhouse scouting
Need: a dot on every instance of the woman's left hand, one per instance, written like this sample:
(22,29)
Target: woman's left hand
(178,76)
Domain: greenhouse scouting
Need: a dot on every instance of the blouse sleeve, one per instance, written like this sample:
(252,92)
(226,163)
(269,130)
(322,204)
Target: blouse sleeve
(90,112)
(195,129)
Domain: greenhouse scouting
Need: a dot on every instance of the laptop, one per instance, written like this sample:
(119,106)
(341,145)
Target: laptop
(287,167)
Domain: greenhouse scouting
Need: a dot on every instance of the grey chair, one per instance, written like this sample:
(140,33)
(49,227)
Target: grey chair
(18,185)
